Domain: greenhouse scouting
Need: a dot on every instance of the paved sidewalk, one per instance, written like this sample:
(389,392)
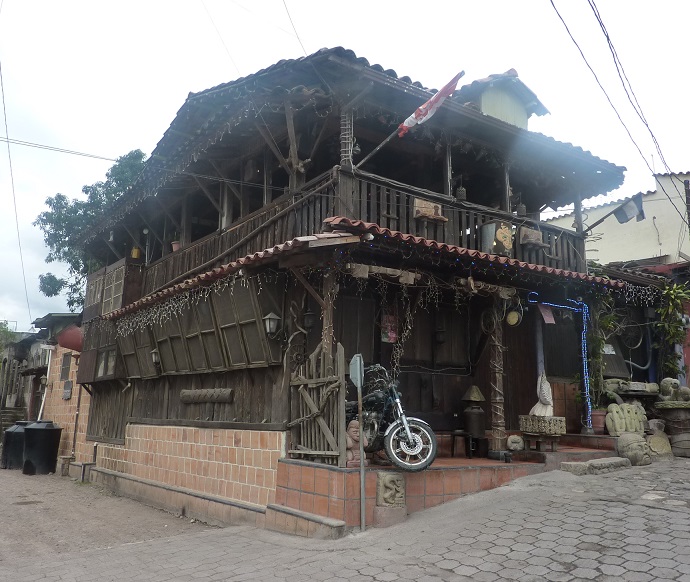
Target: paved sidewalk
(631,525)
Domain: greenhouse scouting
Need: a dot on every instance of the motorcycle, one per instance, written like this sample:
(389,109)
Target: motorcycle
(410,443)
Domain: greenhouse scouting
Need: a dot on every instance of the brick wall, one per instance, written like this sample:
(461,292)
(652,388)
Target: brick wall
(62,412)
(236,464)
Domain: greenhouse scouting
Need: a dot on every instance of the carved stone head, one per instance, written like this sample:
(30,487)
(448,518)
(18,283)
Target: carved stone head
(634,447)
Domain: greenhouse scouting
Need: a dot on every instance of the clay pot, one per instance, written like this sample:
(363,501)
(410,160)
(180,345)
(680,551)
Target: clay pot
(175,245)
(599,421)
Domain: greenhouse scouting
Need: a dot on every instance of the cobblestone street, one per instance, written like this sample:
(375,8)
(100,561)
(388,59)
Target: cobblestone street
(631,525)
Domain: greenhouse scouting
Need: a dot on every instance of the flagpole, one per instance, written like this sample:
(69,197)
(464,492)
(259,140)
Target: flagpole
(603,218)
(373,152)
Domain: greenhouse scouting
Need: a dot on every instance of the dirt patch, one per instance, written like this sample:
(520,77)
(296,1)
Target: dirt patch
(44,515)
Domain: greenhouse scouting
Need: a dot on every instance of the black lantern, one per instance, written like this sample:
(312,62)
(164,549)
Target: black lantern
(309,320)
(271,324)
(156,358)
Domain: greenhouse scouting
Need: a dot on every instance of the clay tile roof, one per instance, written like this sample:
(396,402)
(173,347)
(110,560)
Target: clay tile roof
(340,222)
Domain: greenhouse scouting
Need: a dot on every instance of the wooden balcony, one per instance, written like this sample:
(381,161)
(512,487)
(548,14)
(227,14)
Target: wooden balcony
(372,199)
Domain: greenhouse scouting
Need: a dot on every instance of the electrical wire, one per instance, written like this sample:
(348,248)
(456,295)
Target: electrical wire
(14,195)
(620,119)
(227,50)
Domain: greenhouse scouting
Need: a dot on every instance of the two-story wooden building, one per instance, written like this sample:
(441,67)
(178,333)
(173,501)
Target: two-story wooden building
(256,254)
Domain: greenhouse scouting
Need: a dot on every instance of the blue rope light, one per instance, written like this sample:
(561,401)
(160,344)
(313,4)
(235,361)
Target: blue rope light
(577,307)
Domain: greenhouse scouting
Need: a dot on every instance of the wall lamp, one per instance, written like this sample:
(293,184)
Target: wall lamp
(272,325)
(156,358)
(309,320)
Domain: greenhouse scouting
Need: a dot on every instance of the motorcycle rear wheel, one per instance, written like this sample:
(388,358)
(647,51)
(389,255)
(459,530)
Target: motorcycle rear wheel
(415,457)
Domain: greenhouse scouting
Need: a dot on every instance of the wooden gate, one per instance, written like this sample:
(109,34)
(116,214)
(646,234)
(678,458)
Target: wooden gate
(317,403)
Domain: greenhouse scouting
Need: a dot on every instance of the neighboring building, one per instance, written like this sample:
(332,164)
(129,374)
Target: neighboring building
(413,260)
(661,238)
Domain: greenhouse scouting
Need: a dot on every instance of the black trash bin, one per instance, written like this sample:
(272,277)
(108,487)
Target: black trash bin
(13,446)
(41,444)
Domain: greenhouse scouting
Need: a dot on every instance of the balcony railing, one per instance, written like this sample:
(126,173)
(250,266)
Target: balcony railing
(372,199)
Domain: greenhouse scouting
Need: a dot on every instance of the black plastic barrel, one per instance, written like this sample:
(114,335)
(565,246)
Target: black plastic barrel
(13,446)
(41,444)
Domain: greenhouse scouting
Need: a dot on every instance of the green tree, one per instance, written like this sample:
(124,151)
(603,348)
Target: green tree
(69,219)
(6,335)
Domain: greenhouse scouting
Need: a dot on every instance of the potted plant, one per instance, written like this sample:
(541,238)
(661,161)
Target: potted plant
(175,243)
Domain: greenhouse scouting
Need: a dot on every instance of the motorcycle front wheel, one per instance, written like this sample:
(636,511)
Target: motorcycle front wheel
(415,456)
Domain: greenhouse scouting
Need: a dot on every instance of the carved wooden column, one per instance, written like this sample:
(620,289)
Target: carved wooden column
(498,421)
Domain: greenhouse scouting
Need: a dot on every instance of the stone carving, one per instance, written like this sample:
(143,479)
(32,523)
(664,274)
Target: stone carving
(552,425)
(659,445)
(669,389)
(626,417)
(390,489)
(352,437)
(620,386)
(680,444)
(657,424)
(515,443)
(223,395)
(615,420)
(634,447)
(545,405)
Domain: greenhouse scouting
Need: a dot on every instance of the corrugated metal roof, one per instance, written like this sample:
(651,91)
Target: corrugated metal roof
(602,205)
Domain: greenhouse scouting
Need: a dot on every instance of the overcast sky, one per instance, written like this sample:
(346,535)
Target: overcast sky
(107,77)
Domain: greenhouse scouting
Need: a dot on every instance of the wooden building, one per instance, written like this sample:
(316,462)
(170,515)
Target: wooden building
(256,206)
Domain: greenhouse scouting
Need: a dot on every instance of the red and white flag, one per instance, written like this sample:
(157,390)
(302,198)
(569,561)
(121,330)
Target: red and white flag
(424,112)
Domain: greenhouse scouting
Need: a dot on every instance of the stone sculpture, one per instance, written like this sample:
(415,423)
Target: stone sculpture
(544,407)
(634,447)
(659,445)
(390,489)
(515,442)
(352,437)
(615,420)
(668,390)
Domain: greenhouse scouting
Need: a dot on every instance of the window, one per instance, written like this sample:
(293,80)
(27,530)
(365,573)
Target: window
(66,363)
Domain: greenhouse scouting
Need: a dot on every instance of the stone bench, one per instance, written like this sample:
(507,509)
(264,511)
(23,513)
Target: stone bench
(540,440)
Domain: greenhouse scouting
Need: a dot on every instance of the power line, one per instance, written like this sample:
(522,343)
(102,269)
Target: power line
(53,148)
(14,196)
(620,119)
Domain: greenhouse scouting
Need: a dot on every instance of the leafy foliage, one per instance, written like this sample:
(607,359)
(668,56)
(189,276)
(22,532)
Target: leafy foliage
(670,328)
(6,335)
(68,219)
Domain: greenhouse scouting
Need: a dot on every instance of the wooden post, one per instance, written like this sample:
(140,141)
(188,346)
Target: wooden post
(327,338)
(579,228)
(505,203)
(185,223)
(448,172)
(498,422)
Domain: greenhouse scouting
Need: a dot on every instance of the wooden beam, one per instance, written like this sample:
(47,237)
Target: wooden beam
(208,194)
(290,119)
(367,88)
(168,214)
(151,229)
(274,148)
(319,138)
(112,248)
(135,240)
(309,288)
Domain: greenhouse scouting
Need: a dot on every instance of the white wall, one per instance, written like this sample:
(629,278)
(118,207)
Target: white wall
(663,232)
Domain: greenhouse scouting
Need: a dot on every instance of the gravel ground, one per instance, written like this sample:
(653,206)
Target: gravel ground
(46,515)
